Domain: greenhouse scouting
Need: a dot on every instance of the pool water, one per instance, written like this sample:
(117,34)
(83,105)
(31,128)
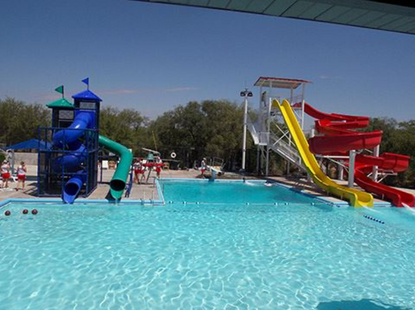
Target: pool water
(207,256)
(231,192)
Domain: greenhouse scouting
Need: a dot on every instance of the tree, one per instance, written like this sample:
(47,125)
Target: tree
(206,129)
(20,121)
(398,137)
(127,127)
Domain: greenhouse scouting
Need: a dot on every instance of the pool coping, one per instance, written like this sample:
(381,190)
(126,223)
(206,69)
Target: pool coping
(161,199)
(337,203)
(144,202)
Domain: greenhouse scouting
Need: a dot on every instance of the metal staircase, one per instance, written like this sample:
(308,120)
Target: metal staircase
(275,143)
(287,151)
(259,137)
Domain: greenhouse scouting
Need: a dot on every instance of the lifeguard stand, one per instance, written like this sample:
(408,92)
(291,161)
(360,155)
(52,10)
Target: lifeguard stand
(269,132)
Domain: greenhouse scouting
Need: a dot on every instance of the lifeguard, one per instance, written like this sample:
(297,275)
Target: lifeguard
(5,174)
(158,164)
(21,175)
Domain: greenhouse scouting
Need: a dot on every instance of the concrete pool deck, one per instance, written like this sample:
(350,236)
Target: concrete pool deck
(148,191)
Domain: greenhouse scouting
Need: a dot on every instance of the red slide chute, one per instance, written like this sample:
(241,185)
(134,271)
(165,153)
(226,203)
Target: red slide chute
(338,137)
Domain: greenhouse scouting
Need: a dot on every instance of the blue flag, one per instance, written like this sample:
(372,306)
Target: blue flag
(86,81)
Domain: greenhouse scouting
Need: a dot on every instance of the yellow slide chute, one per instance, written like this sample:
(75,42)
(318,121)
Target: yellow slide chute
(355,197)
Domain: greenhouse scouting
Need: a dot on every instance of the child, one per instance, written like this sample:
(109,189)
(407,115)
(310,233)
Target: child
(5,174)
(21,175)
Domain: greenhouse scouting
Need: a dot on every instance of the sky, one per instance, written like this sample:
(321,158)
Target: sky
(155,57)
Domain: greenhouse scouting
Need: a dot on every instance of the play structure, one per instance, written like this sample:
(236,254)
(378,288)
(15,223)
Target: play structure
(68,161)
(280,128)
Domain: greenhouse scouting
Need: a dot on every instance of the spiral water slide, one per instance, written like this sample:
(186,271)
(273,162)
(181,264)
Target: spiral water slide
(355,197)
(72,162)
(339,138)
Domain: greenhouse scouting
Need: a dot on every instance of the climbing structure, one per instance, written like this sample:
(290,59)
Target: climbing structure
(69,167)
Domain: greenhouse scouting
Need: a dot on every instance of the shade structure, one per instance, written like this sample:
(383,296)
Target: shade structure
(396,16)
(30,145)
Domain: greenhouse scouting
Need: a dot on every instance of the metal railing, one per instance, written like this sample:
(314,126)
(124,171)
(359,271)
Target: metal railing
(259,137)
(287,151)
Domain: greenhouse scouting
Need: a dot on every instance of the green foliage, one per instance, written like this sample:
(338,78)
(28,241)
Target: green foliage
(398,137)
(127,127)
(193,131)
(20,121)
(206,129)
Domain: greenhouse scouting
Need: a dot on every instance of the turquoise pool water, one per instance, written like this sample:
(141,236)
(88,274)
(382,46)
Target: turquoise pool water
(231,192)
(207,256)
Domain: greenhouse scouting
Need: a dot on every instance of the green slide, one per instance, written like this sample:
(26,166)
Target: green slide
(119,179)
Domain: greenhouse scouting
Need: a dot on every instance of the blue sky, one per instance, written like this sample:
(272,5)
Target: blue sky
(154,57)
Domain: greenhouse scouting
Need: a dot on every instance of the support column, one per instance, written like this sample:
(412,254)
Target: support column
(244,133)
(267,162)
(258,160)
(340,169)
(376,150)
(352,157)
(312,134)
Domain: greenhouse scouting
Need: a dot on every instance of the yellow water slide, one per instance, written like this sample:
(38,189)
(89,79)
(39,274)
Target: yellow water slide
(355,197)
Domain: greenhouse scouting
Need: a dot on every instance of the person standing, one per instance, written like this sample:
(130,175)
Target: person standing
(21,175)
(5,173)
(138,170)
(203,167)
(159,164)
(135,170)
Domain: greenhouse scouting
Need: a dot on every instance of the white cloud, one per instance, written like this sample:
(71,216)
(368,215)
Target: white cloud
(118,91)
(178,89)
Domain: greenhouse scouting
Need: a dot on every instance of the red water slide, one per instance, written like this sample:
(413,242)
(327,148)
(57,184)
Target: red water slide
(338,137)
(386,161)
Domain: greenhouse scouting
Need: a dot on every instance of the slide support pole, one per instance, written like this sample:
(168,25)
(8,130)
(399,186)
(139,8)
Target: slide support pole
(352,158)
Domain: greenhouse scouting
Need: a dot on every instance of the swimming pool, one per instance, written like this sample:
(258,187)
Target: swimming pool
(232,192)
(205,256)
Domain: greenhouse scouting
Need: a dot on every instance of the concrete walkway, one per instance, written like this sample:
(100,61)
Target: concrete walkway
(148,191)
(145,191)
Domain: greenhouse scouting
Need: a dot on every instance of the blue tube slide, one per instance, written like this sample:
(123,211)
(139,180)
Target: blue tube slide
(81,122)
(71,162)
(72,187)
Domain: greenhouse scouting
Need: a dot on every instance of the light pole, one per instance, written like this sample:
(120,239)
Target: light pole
(245,94)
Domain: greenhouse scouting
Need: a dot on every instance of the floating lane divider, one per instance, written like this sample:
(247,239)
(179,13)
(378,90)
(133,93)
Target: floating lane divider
(248,203)
(373,219)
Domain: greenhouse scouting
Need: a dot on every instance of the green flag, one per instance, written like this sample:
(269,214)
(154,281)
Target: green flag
(59,89)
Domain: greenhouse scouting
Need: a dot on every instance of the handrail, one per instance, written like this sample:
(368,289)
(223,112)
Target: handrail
(259,137)
(288,152)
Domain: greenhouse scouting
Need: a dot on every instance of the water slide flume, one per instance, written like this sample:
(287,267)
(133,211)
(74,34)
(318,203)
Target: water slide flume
(119,179)
(340,138)
(355,197)
(387,161)
(72,162)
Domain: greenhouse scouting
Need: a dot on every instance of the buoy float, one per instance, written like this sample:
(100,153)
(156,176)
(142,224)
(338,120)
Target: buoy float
(7,213)
(34,211)
(173,155)
(25,211)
